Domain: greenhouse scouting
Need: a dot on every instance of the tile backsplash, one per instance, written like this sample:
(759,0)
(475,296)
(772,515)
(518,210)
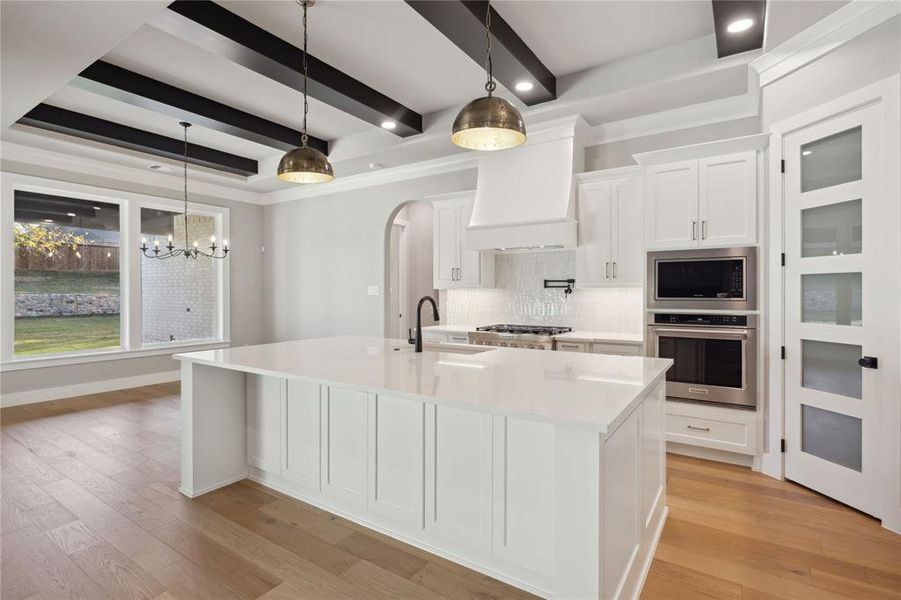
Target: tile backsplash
(520,297)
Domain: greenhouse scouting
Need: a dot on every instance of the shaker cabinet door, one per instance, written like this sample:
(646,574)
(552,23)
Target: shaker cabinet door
(593,260)
(625,232)
(671,205)
(727,200)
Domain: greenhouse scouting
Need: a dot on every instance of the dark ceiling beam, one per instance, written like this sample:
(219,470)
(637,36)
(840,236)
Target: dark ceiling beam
(120,84)
(61,120)
(207,25)
(726,12)
(463,23)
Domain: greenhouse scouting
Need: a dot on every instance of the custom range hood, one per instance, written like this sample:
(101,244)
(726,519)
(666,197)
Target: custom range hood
(524,196)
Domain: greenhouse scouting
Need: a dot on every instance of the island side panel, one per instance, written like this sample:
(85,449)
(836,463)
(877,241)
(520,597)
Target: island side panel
(214,428)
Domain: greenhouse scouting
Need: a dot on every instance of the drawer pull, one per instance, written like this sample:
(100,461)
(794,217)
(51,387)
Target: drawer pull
(697,428)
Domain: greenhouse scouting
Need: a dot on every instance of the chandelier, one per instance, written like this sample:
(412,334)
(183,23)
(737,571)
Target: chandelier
(188,252)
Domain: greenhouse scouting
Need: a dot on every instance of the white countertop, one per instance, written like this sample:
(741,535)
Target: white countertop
(579,335)
(601,336)
(594,391)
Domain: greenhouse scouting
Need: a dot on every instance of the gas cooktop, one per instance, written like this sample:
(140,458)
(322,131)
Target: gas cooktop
(525,329)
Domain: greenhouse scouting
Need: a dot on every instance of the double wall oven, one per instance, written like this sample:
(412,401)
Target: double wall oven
(714,353)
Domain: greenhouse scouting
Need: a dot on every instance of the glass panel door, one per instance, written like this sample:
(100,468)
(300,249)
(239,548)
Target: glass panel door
(831,205)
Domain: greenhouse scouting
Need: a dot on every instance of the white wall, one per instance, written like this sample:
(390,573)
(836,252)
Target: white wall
(419,260)
(322,253)
(246,277)
(866,59)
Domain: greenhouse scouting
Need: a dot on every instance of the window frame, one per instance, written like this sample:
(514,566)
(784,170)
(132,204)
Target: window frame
(130,337)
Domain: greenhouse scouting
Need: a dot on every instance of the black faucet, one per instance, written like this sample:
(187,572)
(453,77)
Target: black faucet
(419,319)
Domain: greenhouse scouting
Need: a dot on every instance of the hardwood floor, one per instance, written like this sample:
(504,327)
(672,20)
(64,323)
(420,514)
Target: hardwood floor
(90,510)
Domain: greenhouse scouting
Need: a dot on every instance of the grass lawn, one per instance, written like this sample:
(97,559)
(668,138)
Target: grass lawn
(43,335)
(67,282)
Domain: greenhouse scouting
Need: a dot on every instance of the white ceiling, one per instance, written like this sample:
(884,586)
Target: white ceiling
(571,35)
(615,60)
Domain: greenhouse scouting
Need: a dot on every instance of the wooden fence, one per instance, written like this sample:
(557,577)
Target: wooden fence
(84,258)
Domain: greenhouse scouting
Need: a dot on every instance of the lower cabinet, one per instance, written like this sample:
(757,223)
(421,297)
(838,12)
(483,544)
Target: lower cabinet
(480,488)
(714,427)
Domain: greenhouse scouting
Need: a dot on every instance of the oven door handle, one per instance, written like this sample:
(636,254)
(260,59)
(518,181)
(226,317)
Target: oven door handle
(725,334)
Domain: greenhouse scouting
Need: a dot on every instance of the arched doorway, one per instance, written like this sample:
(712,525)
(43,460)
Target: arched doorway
(408,266)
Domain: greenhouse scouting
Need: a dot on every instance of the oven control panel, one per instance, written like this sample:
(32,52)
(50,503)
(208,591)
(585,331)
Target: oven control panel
(695,319)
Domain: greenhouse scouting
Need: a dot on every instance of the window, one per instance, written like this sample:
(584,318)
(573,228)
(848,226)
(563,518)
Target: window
(76,287)
(67,284)
(178,295)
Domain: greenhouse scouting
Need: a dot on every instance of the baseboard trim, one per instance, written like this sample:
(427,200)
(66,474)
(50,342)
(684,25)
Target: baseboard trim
(745,460)
(215,486)
(82,389)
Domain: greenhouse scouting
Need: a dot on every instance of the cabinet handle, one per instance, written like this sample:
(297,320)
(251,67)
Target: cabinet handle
(698,428)
(694,230)
(607,270)
(704,229)
(614,269)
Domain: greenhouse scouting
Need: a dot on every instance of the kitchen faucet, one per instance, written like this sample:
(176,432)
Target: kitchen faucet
(419,319)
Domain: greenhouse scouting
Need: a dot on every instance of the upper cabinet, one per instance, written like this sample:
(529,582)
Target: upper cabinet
(610,249)
(454,266)
(706,201)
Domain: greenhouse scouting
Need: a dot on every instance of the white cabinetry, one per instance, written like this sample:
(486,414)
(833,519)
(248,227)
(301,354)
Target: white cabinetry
(710,201)
(265,395)
(726,429)
(454,266)
(344,447)
(610,240)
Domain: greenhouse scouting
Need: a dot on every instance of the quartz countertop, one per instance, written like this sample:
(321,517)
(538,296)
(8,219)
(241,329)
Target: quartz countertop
(593,391)
(450,328)
(601,336)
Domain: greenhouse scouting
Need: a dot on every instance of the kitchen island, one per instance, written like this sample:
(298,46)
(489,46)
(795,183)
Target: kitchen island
(543,469)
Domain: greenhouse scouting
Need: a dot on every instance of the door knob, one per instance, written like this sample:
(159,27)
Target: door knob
(869,362)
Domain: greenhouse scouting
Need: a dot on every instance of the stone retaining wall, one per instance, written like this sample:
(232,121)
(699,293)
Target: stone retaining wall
(66,305)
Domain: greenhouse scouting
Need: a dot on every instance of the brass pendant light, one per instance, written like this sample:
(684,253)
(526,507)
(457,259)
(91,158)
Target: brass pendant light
(305,164)
(488,123)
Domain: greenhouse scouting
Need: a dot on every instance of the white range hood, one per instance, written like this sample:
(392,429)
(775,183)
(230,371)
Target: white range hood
(524,196)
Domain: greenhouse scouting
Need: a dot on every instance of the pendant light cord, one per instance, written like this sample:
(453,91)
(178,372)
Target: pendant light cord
(185,126)
(490,86)
(303,136)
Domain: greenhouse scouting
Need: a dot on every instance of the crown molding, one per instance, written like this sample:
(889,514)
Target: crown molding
(31,155)
(824,36)
(746,143)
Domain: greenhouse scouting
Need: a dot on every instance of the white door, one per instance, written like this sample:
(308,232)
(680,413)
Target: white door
(671,205)
(625,233)
(593,259)
(727,200)
(468,272)
(445,245)
(835,260)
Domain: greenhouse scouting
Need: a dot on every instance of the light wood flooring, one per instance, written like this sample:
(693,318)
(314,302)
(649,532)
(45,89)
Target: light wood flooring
(90,510)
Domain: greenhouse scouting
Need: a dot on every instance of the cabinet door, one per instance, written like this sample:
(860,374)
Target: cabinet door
(396,461)
(445,251)
(625,232)
(458,476)
(621,508)
(671,205)
(727,199)
(469,272)
(301,418)
(344,444)
(593,258)
(264,405)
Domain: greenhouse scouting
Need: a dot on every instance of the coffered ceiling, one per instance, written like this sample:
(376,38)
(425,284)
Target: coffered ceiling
(612,60)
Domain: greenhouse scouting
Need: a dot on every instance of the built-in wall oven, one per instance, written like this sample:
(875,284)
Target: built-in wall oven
(714,356)
(704,279)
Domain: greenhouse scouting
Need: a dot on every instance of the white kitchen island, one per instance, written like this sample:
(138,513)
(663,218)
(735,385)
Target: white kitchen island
(543,469)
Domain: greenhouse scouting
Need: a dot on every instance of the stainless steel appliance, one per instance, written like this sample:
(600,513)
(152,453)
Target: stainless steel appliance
(715,356)
(715,278)
(536,337)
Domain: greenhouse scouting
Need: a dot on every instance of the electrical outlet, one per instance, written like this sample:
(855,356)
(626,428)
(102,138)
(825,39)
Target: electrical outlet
(373,290)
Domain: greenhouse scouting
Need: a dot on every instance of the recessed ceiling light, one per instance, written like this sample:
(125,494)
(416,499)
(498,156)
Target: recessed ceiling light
(375,166)
(388,124)
(739,25)
(524,86)
(48,220)
(70,214)
(806,153)
(96,208)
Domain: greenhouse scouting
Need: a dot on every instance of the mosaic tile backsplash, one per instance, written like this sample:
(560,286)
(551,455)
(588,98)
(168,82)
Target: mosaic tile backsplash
(520,297)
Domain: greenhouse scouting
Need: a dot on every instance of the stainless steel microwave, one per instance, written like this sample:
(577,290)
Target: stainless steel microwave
(715,278)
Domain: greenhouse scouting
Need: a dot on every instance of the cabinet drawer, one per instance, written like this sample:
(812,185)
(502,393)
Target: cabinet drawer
(620,349)
(571,346)
(736,434)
